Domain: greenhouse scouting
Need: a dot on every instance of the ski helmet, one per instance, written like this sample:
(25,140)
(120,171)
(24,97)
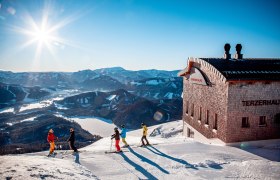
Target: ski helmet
(142,124)
(122,126)
(115,128)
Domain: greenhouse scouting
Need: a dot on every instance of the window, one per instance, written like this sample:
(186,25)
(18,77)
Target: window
(245,122)
(262,121)
(187,107)
(192,110)
(277,119)
(216,122)
(199,113)
(207,117)
(190,133)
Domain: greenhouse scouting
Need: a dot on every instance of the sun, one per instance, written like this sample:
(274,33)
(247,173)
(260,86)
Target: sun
(43,33)
(42,36)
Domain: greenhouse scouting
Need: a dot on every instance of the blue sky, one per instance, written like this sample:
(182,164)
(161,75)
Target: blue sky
(134,34)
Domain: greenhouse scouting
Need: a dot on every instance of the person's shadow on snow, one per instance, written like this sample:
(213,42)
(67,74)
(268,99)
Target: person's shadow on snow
(181,161)
(138,168)
(144,159)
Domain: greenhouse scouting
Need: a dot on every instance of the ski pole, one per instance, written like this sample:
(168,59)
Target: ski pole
(111,145)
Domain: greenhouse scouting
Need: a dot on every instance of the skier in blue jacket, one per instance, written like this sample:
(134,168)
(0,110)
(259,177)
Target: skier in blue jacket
(123,136)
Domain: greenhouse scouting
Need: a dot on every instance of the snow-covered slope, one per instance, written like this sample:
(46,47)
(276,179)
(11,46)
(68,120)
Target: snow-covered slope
(171,157)
(41,167)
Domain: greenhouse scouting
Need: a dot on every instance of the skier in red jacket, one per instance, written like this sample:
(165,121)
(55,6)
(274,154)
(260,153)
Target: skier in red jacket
(51,138)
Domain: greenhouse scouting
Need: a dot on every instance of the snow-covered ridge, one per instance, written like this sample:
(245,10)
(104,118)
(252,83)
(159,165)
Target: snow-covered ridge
(20,121)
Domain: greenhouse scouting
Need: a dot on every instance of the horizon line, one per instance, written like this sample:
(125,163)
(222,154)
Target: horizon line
(2,70)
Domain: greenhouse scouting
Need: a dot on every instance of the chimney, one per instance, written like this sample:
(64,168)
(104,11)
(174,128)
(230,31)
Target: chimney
(227,55)
(238,54)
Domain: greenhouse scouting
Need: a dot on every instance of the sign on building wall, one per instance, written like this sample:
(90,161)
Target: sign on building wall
(261,102)
(196,77)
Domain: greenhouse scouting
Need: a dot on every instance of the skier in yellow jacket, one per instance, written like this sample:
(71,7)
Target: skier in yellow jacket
(145,132)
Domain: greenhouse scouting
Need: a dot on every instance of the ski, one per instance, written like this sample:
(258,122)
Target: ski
(52,155)
(62,154)
(125,146)
(71,152)
(108,152)
(143,146)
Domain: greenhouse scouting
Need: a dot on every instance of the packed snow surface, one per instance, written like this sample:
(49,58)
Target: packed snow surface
(172,156)
(40,167)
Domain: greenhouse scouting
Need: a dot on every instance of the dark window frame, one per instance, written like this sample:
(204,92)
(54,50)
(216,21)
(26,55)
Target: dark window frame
(215,122)
(207,115)
(199,113)
(262,121)
(192,110)
(276,120)
(245,122)
(187,107)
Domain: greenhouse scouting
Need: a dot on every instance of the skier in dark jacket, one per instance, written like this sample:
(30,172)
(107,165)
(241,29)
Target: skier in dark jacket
(71,140)
(117,139)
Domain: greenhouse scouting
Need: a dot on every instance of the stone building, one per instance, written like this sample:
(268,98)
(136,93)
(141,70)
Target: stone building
(231,99)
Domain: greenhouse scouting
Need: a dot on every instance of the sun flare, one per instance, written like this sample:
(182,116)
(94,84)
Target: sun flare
(42,36)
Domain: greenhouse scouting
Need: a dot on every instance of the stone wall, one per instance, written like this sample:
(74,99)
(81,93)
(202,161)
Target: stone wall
(231,101)
(254,96)
(212,98)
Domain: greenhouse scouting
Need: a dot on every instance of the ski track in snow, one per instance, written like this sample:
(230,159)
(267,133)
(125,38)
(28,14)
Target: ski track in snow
(173,156)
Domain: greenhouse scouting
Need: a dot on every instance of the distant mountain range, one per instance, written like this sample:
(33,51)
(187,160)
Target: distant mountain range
(123,96)
(78,79)
(150,84)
